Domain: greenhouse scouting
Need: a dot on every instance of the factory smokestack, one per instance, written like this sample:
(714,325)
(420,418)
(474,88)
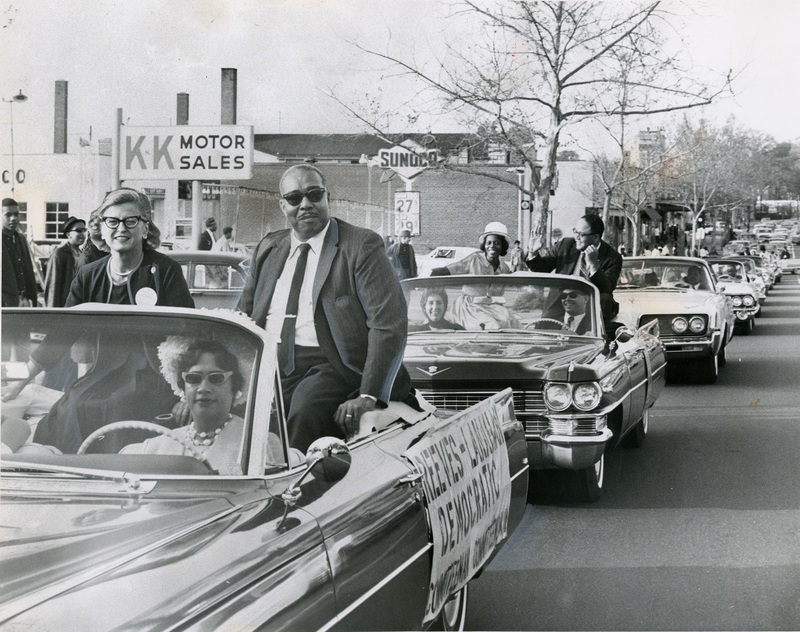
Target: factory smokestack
(183,108)
(60,128)
(228,96)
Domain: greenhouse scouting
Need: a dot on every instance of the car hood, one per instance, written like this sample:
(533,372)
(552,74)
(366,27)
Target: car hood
(734,288)
(55,541)
(457,355)
(664,301)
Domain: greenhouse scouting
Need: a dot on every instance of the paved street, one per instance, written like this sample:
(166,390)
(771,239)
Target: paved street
(697,530)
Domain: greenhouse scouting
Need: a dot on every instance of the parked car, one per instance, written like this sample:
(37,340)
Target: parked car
(381,532)
(440,257)
(215,278)
(732,280)
(578,394)
(695,325)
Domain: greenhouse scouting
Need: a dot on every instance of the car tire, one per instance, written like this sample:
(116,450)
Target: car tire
(706,370)
(722,356)
(586,485)
(746,327)
(454,613)
(635,438)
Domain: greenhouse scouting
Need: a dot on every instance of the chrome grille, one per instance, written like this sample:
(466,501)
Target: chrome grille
(587,426)
(528,405)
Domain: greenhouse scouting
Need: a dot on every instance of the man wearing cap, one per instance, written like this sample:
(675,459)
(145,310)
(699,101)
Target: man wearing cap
(585,255)
(328,291)
(19,280)
(401,255)
(207,239)
(63,263)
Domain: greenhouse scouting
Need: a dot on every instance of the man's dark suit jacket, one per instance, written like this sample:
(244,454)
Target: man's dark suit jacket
(562,259)
(360,312)
(206,241)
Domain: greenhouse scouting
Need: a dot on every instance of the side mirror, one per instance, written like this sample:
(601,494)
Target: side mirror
(327,459)
(624,334)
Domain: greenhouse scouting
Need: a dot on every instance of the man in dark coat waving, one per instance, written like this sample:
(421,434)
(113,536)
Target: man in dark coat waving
(586,255)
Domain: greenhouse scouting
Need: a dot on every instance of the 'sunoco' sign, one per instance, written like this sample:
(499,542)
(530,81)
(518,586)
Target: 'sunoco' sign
(406,162)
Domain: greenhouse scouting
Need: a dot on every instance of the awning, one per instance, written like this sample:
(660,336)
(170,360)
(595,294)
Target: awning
(653,213)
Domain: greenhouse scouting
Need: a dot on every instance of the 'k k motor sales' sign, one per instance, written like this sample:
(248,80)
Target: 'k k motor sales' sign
(184,152)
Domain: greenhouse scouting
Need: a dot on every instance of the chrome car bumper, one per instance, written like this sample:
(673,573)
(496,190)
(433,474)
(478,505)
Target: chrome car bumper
(690,348)
(547,451)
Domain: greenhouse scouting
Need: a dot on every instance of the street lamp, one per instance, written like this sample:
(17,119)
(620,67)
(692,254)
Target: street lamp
(17,98)
(520,171)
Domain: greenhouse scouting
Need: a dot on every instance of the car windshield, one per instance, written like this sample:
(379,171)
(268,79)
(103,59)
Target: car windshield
(520,301)
(653,272)
(124,390)
(728,270)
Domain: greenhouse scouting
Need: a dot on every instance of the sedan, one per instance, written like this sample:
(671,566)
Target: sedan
(732,281)
(578,389)
(118,514)
(441,257)
(695,319)
(215,278)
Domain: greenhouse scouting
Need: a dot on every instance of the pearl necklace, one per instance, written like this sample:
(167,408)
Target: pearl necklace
(205,438)
(123,276)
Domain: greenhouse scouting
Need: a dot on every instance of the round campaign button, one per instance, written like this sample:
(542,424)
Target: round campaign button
(146,296)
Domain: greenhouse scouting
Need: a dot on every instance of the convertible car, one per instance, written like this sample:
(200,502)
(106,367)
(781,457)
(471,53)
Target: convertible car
(578,391)
(695,319)
(117,514)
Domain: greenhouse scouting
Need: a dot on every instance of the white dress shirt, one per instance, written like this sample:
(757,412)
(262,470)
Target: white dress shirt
(305,331)
(576,320)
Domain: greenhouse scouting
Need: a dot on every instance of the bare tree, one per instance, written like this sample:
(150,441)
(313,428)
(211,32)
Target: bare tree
(541,65)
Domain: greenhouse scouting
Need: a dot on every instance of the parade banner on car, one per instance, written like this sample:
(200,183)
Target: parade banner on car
(464,464)
(186,152)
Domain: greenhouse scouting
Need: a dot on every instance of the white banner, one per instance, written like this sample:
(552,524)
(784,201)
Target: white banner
(186,152)
(468,491)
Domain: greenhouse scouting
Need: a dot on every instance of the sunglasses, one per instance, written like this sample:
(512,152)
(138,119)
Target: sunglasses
(77,230)
(215,377)
(314,195)
(114,222)
(580,234)
(567,295)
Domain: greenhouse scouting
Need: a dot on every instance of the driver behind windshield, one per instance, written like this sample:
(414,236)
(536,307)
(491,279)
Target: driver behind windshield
(207,376)
(571,313)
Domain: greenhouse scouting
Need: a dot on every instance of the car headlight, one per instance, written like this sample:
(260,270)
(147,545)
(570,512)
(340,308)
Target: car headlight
(679,325)
(697,325)
(586,396)
(557,396)
(737,301)
(749,301)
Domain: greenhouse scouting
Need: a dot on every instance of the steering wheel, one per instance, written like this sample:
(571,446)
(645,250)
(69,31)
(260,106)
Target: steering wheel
(532,325)
(725,277)
(144,425)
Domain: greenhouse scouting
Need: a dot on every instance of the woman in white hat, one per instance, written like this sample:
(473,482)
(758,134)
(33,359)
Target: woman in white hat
(494,243)
(475,308)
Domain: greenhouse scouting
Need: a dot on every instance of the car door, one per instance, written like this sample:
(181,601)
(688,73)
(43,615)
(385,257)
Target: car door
(376,536)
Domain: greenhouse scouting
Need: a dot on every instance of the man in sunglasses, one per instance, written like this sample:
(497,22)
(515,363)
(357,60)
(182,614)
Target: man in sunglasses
(585,255)
(327,290)
(63,263)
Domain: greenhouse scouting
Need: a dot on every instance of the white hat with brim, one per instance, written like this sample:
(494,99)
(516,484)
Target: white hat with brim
(494,228)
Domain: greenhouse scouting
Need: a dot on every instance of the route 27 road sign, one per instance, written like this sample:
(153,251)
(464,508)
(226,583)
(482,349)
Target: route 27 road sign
(406,211)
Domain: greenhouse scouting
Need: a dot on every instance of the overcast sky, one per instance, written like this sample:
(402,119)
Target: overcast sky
(138,55)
